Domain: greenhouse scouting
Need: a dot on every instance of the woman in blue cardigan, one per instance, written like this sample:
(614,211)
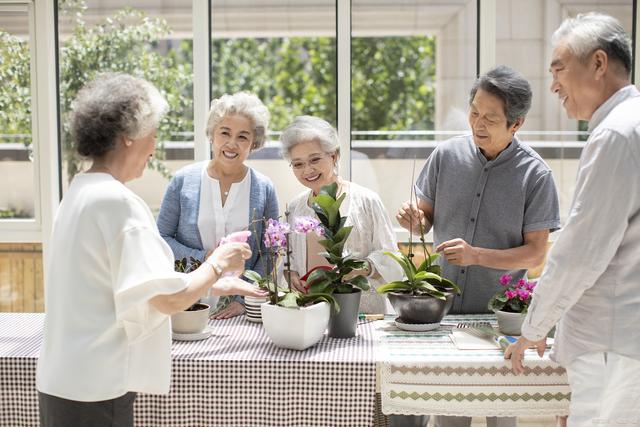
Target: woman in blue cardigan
(208,200)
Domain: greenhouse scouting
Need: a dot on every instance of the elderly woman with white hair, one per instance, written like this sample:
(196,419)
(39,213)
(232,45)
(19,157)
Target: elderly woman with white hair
(311,145)
(208,200)
(111,285)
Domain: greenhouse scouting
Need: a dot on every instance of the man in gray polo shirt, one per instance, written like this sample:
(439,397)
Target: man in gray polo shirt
(490,198)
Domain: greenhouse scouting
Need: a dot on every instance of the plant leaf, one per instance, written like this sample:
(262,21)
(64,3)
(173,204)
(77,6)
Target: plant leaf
(360,282)
(399,285)
(405,263)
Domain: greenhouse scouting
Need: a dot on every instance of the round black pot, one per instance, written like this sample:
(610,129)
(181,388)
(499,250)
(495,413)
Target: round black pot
(420,308)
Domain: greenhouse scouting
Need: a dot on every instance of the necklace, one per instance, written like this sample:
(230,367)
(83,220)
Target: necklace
(226,193)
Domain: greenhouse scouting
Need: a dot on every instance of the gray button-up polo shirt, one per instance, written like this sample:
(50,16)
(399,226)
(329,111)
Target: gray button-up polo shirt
(489,204)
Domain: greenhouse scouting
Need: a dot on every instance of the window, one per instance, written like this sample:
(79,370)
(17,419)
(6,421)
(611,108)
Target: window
(18,193)
(412,65)
(150,39)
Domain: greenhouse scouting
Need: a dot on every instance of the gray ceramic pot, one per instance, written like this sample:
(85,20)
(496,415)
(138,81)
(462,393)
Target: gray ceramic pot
(344,324)
(420,308)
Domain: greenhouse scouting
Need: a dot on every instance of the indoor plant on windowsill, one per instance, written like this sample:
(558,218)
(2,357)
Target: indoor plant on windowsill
(347,292)
(291,319)
(511,304)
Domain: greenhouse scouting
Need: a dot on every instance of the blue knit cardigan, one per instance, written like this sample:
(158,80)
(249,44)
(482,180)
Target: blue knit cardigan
(178,218)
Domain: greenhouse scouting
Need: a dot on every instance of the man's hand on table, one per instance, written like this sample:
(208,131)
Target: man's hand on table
(515,352)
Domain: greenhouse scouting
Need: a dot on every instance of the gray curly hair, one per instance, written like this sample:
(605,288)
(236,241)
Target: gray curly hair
(309,128)
(111,106)
(245,103)
(591,31)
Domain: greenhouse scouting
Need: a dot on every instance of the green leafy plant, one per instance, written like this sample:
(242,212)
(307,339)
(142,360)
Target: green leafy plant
(514,297)
(326,205)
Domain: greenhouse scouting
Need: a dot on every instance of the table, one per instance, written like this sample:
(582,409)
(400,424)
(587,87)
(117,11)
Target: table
(423,373)
(235,378)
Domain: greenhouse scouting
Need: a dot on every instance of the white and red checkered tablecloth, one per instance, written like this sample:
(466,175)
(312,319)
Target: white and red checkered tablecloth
(234,378)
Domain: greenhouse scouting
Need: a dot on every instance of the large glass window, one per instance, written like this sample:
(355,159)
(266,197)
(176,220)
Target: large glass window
(17,192)
(412,64)
(525,45)
(149,39)
(285,53)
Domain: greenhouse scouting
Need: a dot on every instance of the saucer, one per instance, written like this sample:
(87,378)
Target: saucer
(416,327)
(193,337)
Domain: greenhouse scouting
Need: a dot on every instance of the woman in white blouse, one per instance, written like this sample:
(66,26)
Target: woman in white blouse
(208,200)
(312,147)
(111,285)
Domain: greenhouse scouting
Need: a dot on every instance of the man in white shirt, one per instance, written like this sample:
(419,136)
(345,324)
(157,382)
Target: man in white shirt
(591,283)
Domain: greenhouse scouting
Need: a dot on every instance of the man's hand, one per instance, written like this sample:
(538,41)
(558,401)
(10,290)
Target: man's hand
(409,215)
(515,352)
(458,252)
(232,310)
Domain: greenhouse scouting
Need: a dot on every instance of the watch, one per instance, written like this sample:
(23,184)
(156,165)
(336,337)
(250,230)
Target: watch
(216,268)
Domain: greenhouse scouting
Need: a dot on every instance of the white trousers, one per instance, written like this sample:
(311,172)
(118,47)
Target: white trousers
(605,391)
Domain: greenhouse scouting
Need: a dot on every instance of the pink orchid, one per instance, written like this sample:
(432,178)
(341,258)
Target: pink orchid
(523,294)
(510,294)
(505,279)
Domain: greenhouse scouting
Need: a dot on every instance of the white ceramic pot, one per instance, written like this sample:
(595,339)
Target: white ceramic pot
(510,323)
(253,312)
(191,322)
(295,328)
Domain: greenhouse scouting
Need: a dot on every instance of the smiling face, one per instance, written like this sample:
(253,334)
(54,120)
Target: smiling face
(488,123)
(312,166)
(574,83)
(232,141)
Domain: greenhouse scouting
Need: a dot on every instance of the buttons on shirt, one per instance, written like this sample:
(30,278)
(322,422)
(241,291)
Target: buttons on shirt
(486,169)
(477,194)
(473,219)
(462,270)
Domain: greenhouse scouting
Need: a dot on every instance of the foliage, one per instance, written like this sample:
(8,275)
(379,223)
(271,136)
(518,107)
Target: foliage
(423,280)
(393,78)
(276,240)
(515,296)
(326,205)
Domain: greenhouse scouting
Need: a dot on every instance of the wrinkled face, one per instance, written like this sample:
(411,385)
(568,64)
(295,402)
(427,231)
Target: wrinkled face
(312,166)
(232,140)
(141,150)
(573,82)
(488,123)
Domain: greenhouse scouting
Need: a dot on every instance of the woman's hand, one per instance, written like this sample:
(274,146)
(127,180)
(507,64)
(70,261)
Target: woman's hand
(298,284)
(230,257)
(232,310)
(231,285)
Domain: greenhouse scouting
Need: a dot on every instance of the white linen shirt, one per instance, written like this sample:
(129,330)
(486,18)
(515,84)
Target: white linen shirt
(591,282)
(371,236)
(102,338)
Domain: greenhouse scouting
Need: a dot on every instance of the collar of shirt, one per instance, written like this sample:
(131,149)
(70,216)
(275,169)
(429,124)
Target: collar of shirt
(603,110)
(502,157)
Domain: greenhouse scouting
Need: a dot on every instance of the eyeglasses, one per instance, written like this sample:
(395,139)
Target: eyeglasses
(313,161)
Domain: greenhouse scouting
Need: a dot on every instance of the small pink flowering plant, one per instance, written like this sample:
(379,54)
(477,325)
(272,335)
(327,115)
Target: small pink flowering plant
(515,296)
(276,241)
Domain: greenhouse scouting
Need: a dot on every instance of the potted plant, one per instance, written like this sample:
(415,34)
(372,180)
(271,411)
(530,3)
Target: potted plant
(291,319)
(424,296)
(194,319)
(511,303)
(347,292)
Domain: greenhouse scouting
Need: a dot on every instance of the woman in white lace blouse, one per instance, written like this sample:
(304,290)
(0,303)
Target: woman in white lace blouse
(312,147)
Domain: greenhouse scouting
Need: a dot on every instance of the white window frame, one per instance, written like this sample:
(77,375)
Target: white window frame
(44,128)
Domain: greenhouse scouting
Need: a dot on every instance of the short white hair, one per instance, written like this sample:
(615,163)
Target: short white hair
(591,31)
(309,128)
(246,104)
